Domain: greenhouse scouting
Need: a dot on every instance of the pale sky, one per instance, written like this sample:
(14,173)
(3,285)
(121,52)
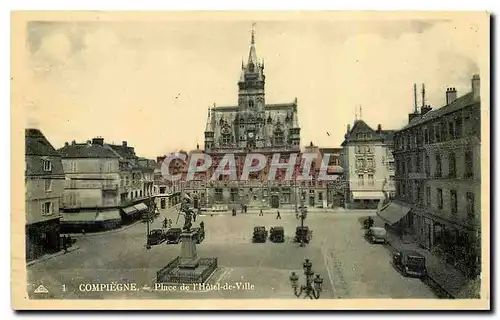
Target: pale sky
(120,80)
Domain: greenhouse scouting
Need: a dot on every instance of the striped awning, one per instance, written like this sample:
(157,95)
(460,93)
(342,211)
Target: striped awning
(78,217)
(108,215)
(129,210)
(141,207)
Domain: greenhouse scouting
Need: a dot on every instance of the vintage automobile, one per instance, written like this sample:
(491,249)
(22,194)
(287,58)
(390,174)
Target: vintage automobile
(200,234)
(410,262)
(376,235)
(303,234)
(259,234)
(156,236)
(173,235)
(277,234)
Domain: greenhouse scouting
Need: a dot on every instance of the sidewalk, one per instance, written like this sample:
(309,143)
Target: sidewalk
(50,256)
(451,280)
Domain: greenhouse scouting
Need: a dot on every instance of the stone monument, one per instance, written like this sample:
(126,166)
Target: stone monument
(188,267)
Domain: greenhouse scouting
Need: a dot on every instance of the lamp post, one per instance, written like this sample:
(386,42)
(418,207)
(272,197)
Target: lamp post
(313,286)
(302,215)
(151,212)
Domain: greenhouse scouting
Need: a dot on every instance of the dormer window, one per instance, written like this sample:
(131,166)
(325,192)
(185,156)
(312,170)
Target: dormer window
(250,104)
(47,165)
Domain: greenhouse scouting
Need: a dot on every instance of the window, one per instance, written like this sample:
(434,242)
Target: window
(234,194)
(359,163)
(48,184)
(109,166)
(440,198)
(453,201)
(458,127)
(47,208)
(408,165)
(369,163)
(361,180)
(368,149)
(320,196)
(73,166)
(431,134)
(418,163)
(426,136)
(371,182)
(428,196)
(427,165)
(226,139)
(469,164)
(470,205)
(47,165)
(278,137)
(218,194)
(452,165)
(438,166)
(250,103)
(451,129)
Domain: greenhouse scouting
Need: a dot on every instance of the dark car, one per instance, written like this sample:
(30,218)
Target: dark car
(411,263)
(156,236)
(173,235)
(302,234)
(259,234)
(277,234)
(199,234)
(376,235)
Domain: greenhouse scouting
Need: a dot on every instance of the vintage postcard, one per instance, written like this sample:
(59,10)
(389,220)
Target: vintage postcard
(250,160)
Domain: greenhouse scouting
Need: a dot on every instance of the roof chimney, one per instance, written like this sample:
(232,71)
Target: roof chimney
(348,128)
(451,95)
(98,140)
(426,109)
(124,143)
(66,144)
(73,142)
(89,142)
(379,128)
(476,86)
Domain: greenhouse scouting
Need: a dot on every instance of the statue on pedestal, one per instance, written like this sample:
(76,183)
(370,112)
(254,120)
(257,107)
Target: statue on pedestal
(188,212)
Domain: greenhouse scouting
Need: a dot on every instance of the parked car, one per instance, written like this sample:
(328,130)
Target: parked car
(410,262)
(376,235)
(173,235)
(259,234)
(303,234)
(200,234)
(277,234)
(156,236)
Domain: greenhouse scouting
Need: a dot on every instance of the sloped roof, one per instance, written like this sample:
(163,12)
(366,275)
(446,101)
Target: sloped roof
(459,103)
(84,150)
(38,148)
(37,145)
(360,126)
(124,152)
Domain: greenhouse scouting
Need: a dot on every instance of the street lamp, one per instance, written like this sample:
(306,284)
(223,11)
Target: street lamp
(151,212)
(313,286)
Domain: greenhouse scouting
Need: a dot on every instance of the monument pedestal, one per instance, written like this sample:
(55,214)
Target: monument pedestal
(189,258)
(187,267)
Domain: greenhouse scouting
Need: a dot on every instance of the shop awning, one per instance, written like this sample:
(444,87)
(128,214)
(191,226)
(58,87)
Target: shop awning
(129,210)
(78,217)
(368,195)
(108,215)
(393,213)
(141,207)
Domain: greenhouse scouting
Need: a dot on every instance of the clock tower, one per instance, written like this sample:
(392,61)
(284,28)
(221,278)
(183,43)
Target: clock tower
(251,101)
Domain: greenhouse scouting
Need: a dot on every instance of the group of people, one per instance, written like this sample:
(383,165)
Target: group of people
(167,223)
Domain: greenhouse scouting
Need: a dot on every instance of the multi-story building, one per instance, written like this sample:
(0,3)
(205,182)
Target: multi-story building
(368,165)
(168,193)
(105,185)
(335,188)
(44,179)
(438,178)
(250,126)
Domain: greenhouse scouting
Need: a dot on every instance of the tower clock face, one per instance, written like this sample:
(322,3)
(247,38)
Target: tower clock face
(251,135)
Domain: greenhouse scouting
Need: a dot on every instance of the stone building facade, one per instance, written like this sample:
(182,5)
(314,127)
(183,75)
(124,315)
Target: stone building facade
(44,182)
(438,178)
(368,165)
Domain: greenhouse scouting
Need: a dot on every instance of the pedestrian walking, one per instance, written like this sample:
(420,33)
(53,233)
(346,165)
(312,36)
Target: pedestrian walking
(65,244)
(278,215)
(83,232)
(261,213)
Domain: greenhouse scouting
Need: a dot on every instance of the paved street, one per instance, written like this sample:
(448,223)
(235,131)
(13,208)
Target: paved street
(350,266)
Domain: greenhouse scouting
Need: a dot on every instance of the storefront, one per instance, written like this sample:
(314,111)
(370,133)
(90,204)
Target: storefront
(90,221)
(42,238)
(365,199)
(396,216)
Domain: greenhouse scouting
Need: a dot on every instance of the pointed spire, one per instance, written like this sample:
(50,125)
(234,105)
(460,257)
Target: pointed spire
(295,120)
(209,126)
(252,55)
(360,112)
